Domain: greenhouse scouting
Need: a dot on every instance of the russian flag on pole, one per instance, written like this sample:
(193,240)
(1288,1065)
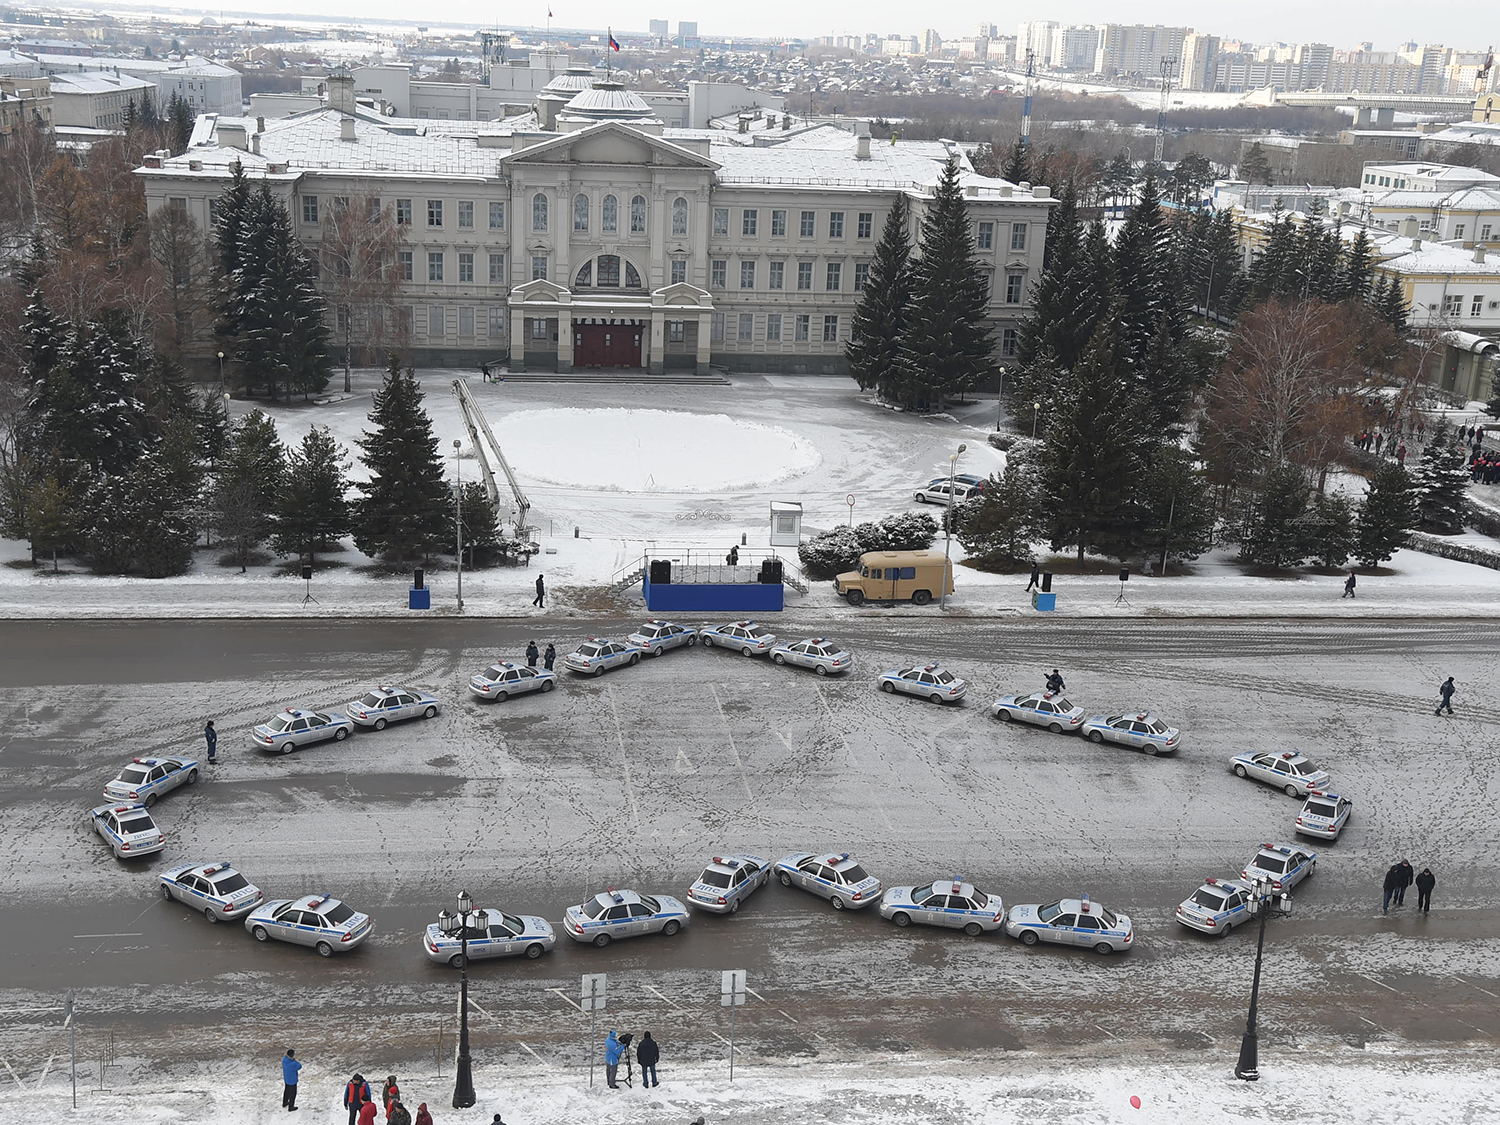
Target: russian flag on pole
(614,44)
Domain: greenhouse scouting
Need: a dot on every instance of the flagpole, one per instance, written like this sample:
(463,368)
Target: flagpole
(609,41)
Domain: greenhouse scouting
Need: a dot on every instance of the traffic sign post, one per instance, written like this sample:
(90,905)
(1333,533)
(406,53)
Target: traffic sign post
(732,996)
(850,501)
(591,1000)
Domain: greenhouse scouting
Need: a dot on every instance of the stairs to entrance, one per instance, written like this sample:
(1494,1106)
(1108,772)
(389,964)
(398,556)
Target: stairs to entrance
(618,375)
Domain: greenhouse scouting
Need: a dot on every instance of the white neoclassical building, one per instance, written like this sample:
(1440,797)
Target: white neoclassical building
(587,234)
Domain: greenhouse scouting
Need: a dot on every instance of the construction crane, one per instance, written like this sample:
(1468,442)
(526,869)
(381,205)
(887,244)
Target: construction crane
(480,435)
(1168,68)
(1484,71)
(1026,106)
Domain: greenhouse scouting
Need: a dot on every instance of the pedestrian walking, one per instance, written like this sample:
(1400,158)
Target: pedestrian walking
(368,1111)
(1405,877)
(541,593)
(1379,441)
(532,654)
(1036,577)
(1425,882)
(398,1114)
(211,737)
(1348,586)
(356,1093)
(647,1053)
(1391,885)
(1401,455)
(423,1117)
(1445,689)
(484,369)
(549,656)
(289,1070)
(612,1051)
(733,558)
(1055,681)
(389,1094)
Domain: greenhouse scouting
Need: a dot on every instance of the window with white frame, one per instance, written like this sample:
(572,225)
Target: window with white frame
(1459,228)
(309,208)
(434,265)
(861,276)
(1010,341)
(538,328)
(1476,307)
(497,269)
(609,214)
(580,212)
(808,224)
(434,320)
(1013,286)
(638,214)
(1018,236)
(676,333)
(497,322)
(679,270)
(434,212)
(404,264)
(773,326)
(465,320)
(718,272)
(778,224)
(721,220)
(835,224)
(834,279)
(539,211)
(466,267)
(803,326)
(1453,304)
(830,329)
(342,321)
(717,328)
(749,222)
(804,275)
(466,216)
(865,226)
(679,216)
(403,212)
(985,239)
(747,327)
(497,215)
(538,267)
(778,275)
(747,275)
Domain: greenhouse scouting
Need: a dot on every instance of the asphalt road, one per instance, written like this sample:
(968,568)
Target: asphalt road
(633,780)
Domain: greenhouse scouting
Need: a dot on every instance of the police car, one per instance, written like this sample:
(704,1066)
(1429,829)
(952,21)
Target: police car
(818,653)
(502,679)
(616,914)
(1071,921)
(216,889)
(595,656)
(1283,866)
(1218,906)
(324,923)
(1324,814)
(146,779)
(746,636)
(384,705)
(839,879)
(1291,771)
(293,728)
(727,881)
(655,637)
(494,934)
(128,830)
(931,681)
(1141,730)
(948,902)
(1041,708)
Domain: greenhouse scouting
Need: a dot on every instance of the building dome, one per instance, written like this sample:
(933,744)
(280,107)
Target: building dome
(608,101)
(570,82)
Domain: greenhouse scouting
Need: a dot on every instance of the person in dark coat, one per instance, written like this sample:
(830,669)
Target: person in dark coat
(211,737)
(541,593)
(1379,441)
(289,1070)
(1406,875)
(398,1114)
(1401,454)
(390,1093)
(1036,577)
(1391,886)
(484,369)
(647,1053)
(1446,691)
(1425,882)
(1348,586)
(1055,681)
(532,653)
(356,1093)
(549,656)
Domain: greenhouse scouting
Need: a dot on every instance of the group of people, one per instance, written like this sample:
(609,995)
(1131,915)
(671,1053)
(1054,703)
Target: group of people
(363,1108)
(533,654)
(617,1047)
(1484,466)
(1398,878)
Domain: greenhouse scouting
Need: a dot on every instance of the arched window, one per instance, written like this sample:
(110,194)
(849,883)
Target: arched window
(580,212)
(538,212)
(632,277)
(679,216)
(638,215)
(609,214)
(585,276)
(609,271)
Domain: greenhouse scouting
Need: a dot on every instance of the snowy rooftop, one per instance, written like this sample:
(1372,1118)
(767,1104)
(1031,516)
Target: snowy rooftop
(195,65)
(97,82)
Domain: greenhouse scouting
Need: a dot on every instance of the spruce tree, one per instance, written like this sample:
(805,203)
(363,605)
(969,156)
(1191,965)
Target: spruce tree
(880,317)
(1176,509)
(1067,300)
(312,506)
(1277,262)
(1358,264)
(999,527)
(946,348)
(1276,533)
(1256,168)
(50,520)
(1442,482)
(112,522)
(1387,515)
(1330,527)
(1150,304)
(1017,166)
(404,511)
(481,526)
(1390,305)
(247,485)
(86,411)
(180,120)
(163,538)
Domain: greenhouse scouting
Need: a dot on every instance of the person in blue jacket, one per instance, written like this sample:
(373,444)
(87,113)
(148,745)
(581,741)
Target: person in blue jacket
(613,1049)
(289,1068)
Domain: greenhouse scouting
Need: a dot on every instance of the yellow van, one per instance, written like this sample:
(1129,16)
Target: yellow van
(888,576)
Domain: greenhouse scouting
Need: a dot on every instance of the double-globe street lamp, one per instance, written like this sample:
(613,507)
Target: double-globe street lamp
(448,921)
(1267,904)
(948,522)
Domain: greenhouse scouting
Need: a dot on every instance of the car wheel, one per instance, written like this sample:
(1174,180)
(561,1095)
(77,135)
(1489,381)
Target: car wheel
(150,800)
(599,671)
(671,927)
(708,642)
(208,912)
(166,893)
(1005,716)
(1055,728)
(1151,749)
(1225,931)
(635,658)
(1095,736)
(786,880)
(548,685)
(838,903)
(886,685)
(1292,791)
(380,724)
(973,929)
(324,949)
(921,597)
(1104,949)
(341,734)
(1029,937)
(734,907)
(601,940)
(820,669)
(288,747)
(920,498)
(660,652)
(534,950)
(777,658)
(501,695)
(192,777)
(260,933)
(430,713)
(855,597)
(936,697)
(1240,771)
(901,918)
(691,641)
(456,961)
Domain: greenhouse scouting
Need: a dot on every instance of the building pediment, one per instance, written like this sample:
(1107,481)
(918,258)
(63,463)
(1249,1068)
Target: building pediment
(682,295)
(609,142)
(541,291)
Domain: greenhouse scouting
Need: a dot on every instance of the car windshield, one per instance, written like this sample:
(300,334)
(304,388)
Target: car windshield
(588,650)
(1306,767)
(1317,808)
(943,677)
(1049,912)
(1114,719)
(338,914)
(651,904)
(854,874)
(231,883)
(1274,864)
(136,824)
(373,700)
(494,672)
(715,878)
(1208,899)
(132,775)
(919,895)
(279,724)
(593,908)
(1158,726)
(1109,920)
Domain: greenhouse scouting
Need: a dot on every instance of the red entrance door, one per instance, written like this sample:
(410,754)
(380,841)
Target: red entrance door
(607,345)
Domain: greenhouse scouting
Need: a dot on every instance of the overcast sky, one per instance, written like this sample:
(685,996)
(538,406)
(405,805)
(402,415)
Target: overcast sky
(1384,22)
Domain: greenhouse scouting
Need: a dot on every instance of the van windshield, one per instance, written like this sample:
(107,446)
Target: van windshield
(864,572)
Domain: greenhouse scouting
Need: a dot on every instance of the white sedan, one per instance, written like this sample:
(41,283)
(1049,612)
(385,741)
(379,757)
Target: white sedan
(930,681)
(818,653)
(502,679)
(1040,708)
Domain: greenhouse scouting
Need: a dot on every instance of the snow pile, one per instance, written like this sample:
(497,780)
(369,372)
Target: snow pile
(624,450)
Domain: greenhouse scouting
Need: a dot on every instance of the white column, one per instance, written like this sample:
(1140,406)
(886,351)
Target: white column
(656,353)
(705,335)
(517,339)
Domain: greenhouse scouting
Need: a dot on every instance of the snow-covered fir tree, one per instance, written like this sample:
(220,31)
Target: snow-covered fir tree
(403,513)
(880,318)
(1442,481)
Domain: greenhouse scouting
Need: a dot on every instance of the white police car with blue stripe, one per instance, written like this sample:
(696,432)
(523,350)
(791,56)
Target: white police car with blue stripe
(1280,866)
(1140,729)
(950,903)
(1324,814)
(745,637)
(324,923)
(128,830)
(215,889)
(818,653)
(616,914)
(839,879)
(1217,906)
(596,655)
(727,881)
(292,728)
(655,637)
(383,705)
(930,681)
(495,934)
(1290,771)
(1041,708)
(502,679)
(146,779)
(1077,922)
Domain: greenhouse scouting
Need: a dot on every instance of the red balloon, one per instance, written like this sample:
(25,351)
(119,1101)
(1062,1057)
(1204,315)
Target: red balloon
(1135,1101)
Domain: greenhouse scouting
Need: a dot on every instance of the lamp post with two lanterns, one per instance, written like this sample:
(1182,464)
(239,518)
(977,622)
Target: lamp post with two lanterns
(448,921)
(1268,904)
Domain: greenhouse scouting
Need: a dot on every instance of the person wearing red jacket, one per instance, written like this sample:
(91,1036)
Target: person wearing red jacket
(356,1093)
(423,1117)
(368,1111)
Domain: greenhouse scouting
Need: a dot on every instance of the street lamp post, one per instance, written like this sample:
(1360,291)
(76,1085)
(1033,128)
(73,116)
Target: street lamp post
(1036,412)
(221,372)
(458,520)
(1000,401)
(463,1087)
(1248,1067)
(948,520)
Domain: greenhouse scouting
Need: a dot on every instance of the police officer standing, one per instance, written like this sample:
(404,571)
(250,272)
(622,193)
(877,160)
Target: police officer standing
(211,737)
(1055,681)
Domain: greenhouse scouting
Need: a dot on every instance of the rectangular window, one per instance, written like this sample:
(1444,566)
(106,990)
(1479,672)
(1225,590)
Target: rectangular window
(403,212)
(718,273)
(747,275)
(865,228)
(675,332)
(538,329)
(179,202)
(539,267)
(809,220)
(747,327)
(466,267)
(434,320)
(835,224)
(985,240)
(679,270)
(342,320)
(749,221)
(309,208)
(434,212)
(434,265)
(830,329)
(1453,304)
(1484,231)
(497,269)
(1013,282)
(1459,228)
(861,276)
(213,215)
(497,216)
(778,275)
(465,320)
(404,264)
(1018,236)
(835,278)
(804,275)
(1477,306)
(466,215)
(804,325)
(1010,341)
(721,220)
(497,323)
(778,224)
(718,327)
(773,326)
